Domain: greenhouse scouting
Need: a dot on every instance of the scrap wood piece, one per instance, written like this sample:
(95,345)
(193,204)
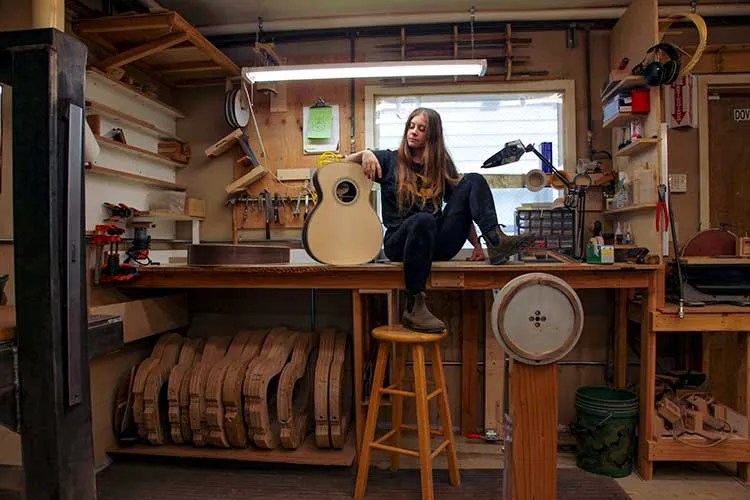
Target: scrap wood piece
(340,392)
(216,348)
(235,433)
(123,424)
(252,176)
(223,144)
(153,416)
(295,391)
(320,396)
(214,385)
(142,373)
(189,355)
(260,403)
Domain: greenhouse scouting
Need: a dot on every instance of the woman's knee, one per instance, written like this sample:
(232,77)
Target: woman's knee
(474,179)
(423,223)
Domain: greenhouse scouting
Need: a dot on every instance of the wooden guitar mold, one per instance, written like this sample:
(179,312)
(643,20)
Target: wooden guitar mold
(260,390)
(153,416)
(189,355)
(235,432)
(216,348)
(295,390)
(340,392)
(214,385)
(143,371)
(322,375)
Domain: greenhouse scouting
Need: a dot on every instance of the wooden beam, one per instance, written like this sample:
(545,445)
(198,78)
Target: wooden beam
(469,366)
(141,51)
(116,24)
(205,46)
(187,67)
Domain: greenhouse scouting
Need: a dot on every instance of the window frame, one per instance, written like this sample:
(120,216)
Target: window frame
(565,87)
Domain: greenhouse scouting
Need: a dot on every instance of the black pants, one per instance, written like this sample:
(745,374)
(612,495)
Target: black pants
(423,237)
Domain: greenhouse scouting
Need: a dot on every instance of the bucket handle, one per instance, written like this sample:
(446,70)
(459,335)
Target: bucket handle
(577,429)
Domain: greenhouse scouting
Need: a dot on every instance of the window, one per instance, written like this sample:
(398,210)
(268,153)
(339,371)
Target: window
(477,122)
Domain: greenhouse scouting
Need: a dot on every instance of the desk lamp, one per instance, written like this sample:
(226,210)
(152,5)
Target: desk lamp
(575,196)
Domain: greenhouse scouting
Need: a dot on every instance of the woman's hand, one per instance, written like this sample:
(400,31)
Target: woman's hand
(371,165)
(477,254)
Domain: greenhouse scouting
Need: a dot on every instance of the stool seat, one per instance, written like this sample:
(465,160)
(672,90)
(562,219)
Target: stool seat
(402,335)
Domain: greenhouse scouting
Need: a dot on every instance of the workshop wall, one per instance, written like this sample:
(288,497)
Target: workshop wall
(683,143)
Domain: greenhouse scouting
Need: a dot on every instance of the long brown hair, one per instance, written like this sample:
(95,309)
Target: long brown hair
(438,166)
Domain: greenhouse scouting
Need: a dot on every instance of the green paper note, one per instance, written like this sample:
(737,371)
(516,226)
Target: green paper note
(320,122)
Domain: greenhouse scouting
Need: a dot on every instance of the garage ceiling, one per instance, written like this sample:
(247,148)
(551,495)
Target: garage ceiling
(232,12)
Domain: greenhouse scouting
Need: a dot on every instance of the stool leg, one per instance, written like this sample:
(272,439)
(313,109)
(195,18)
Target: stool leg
(397,402)
(372,420)
(423,421)
(445,416)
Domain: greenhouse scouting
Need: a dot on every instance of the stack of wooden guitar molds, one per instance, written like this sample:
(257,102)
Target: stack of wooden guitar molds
(262,388)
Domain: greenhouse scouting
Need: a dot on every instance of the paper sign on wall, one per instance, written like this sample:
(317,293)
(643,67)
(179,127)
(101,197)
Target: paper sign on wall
(682,103)
(320,129)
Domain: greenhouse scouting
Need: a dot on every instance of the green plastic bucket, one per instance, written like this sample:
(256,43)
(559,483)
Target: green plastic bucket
(605,428)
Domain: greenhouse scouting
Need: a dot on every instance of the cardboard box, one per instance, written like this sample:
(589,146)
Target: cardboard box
(195,207)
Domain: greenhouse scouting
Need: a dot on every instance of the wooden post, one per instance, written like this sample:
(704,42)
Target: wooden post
(621,338)
(533,411)
(648,379)
(469,366)
(45,68)
(743,392)
(357,335)
(494,374)
(48,14)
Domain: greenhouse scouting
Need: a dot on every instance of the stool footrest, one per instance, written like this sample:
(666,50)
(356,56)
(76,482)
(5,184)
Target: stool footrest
(385,437)
(440,448)
(414,428)
(391,389)
(434,393)
(393,449)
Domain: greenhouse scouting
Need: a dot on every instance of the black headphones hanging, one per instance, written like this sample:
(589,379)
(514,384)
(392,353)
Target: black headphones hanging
(657,72)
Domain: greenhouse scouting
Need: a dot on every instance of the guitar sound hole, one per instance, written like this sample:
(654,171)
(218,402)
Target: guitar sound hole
(346,192)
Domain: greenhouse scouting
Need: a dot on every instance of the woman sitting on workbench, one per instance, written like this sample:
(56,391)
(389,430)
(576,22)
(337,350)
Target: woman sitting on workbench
(415,180)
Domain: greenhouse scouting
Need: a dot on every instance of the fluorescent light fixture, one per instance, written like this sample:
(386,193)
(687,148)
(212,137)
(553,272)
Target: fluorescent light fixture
(456,67)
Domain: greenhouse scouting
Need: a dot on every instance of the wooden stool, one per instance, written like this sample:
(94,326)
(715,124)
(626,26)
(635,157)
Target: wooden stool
(398,337)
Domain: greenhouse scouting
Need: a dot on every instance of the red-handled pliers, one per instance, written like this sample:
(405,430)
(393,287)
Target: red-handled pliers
(661,208)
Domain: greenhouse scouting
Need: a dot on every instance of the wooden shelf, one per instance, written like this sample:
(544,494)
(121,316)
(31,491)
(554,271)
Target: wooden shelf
(307,454)
(636,147)
(710,318)
(149,181)
(142,153)
(162,44)
(95,108)
(131,93)
(627,83)
(153,214)
(632,208)
(622,119)
(734,449)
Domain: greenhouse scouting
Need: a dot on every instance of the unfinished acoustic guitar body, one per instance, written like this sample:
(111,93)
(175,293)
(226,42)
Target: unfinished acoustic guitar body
(343,229)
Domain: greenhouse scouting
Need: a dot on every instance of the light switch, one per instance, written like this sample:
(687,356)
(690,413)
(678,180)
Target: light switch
(678,183)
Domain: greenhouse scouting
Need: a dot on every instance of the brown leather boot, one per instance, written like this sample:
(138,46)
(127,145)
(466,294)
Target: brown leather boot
(420,318)
(506,246)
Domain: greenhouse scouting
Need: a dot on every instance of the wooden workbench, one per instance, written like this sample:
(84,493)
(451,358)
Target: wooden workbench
(706,320)
(452,275)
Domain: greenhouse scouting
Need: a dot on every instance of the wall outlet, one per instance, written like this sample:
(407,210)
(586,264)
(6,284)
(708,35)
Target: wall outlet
(678,183)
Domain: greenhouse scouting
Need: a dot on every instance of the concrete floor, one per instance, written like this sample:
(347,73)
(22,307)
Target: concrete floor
(672,480)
